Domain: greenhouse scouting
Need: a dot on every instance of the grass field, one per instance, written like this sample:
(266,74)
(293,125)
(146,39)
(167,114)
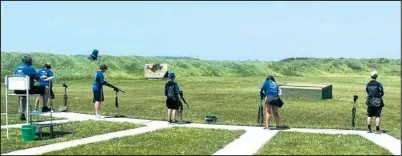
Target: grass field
(294,143)
(77,130)
(180,141)
(229,90)
(235,99)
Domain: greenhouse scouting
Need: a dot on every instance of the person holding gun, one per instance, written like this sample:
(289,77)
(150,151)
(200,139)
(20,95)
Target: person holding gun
(271,91)
(172,91)
(97,88)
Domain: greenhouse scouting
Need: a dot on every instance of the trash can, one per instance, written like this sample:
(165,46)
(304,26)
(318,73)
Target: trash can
(28,133)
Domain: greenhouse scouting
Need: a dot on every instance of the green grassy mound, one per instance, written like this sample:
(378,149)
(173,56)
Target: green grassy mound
(128,67)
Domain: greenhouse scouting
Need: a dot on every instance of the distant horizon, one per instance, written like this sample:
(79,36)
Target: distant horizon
(206,59)
(208,30)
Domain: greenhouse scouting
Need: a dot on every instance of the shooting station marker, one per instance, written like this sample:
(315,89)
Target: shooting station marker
(316,91)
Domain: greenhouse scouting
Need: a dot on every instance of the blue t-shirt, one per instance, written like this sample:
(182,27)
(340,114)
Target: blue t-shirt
(44,72)
(24,69)
(270,88)
(99,81)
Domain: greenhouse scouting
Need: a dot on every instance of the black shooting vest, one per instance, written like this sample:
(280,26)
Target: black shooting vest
(375,93)
(171,90)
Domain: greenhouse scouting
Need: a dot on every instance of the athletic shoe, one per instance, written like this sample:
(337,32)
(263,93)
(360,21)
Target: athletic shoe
(45,109)
(99,116)
(378,132)
(22,117)
(35,111)
(282,127)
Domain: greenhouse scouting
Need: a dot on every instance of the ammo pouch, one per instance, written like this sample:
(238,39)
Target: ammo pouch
(175,97)
(280,102)
(374,102)
(172,97)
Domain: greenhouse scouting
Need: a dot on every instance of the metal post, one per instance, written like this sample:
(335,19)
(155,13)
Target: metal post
(51,106)
(27,100)
(6,105)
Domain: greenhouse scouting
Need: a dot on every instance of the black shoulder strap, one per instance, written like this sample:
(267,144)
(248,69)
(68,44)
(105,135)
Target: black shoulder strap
(174,87)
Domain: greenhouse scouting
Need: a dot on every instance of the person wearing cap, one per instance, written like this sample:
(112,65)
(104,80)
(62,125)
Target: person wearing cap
(26,69)
(97,88)
(271,91)
(47,76)
(172,97)
(375,103)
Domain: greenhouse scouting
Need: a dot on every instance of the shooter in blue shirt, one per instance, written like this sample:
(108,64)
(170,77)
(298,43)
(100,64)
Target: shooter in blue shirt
(26,69)
(97,88)
(47,76)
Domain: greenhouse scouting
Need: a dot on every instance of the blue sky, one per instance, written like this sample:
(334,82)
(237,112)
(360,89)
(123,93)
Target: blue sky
(267,31)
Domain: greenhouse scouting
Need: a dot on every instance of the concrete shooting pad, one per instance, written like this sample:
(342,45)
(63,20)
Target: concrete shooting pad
(315,91)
